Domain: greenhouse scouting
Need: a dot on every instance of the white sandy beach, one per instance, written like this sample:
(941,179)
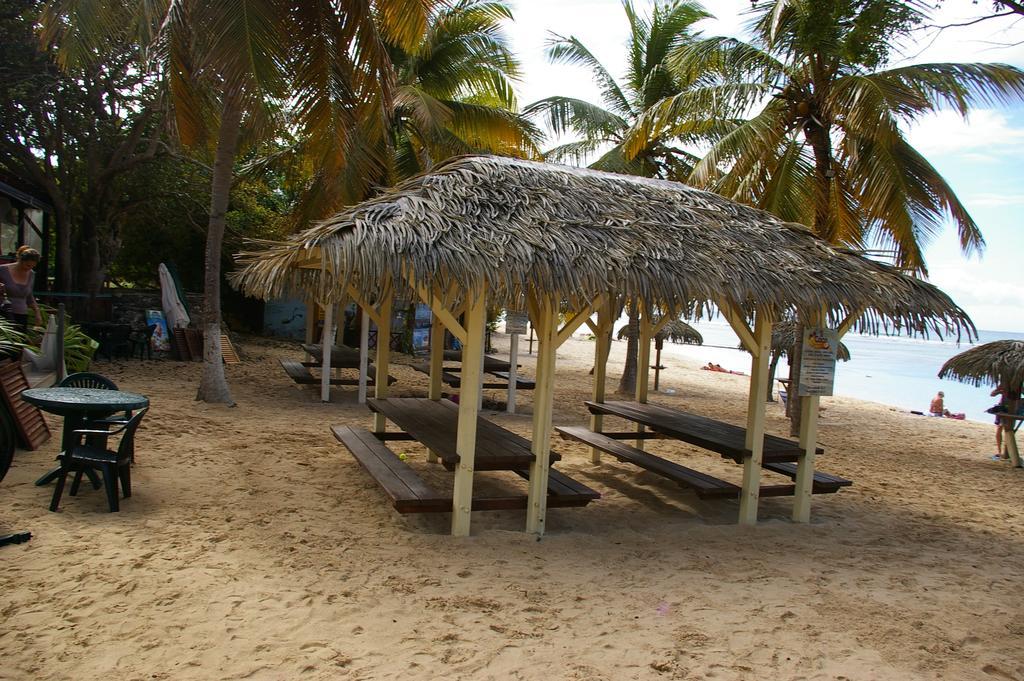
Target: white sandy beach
(255,547)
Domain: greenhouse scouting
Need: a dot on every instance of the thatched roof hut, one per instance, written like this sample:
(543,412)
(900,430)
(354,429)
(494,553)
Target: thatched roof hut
(516,226)
(996,363)
(479,231)
(675,331)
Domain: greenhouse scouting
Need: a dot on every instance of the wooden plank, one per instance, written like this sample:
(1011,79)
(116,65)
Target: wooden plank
(725,438)
(299,373)
(823,482)
(181,345)
(705,485)
(194,342)
(227,350)
(28,420)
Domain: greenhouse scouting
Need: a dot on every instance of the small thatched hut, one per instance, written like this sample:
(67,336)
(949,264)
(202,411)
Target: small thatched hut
(503,231)
(999,364)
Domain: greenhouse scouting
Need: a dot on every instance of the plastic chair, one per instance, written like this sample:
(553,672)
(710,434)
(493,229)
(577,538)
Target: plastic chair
(114,465)
(85,379)
(142,341)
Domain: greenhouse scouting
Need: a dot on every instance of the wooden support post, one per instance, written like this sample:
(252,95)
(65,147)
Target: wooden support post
(1010,444)
(643,366)
(436,367)
(809,436)
(513,373)
(805,465)
(58,359)
(751,491)
(326,342)
(603,336)
(380,381)
(546,324)
(465,445)
(364,353)
(311,314)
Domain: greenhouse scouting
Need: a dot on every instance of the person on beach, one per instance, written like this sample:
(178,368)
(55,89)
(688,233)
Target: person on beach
(937,407)
(18,279)
(998,409)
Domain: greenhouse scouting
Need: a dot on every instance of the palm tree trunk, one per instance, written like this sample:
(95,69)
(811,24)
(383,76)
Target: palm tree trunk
(627,384)
(213,386)
(794,381)
(771,375)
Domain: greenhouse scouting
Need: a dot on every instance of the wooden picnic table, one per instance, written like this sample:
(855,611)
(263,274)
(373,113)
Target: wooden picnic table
(491,364)
(725,438)
(342,356)
(434,423)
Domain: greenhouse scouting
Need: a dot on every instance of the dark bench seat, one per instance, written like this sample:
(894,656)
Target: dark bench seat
(705,485)
(301,374)
(409,493)
(823,482)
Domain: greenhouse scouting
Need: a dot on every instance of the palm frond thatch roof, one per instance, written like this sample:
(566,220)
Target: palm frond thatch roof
(675,331)
(997,363)
(518,226)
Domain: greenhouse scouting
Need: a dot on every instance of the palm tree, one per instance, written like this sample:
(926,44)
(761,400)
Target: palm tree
(233,63)
(453,95)
(826,145)
(604,130)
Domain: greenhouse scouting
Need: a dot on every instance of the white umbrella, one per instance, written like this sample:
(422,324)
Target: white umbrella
(174,310)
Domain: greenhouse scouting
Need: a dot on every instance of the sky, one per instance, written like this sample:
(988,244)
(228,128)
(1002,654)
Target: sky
(980,158)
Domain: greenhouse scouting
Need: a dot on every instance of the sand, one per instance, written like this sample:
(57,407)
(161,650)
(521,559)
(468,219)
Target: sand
(254,547)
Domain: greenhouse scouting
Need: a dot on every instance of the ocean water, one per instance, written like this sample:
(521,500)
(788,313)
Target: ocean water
(894,370)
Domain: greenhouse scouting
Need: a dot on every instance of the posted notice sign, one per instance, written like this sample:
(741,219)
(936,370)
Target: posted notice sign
(515,322)
(818,366)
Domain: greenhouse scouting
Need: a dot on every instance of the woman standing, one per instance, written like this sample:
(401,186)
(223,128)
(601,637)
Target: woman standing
(18,279)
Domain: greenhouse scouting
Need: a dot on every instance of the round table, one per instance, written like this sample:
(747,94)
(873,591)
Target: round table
(77,405)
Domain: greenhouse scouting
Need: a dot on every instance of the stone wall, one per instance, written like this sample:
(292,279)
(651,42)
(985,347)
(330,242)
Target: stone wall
(128,305)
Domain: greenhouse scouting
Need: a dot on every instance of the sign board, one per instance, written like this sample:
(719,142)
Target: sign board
(818,364)
(515,322)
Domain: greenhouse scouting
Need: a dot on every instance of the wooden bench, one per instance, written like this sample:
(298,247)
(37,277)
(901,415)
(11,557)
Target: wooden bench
(409,493)
(705,485)
(300,373)
(823,482)
(452,378)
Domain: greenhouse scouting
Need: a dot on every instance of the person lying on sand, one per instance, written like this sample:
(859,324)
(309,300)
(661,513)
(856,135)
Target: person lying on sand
(718,367)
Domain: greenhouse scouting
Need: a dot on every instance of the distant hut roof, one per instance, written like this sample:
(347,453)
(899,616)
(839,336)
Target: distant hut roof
(997,363)
(516,225)
(676,331)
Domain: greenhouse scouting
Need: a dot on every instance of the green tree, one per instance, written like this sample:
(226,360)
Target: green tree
(826,143)
(230,64)
(80,134)
(604,129)
(453,95)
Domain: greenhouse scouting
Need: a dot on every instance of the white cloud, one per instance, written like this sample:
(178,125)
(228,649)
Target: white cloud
(986,135)
(995,200)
